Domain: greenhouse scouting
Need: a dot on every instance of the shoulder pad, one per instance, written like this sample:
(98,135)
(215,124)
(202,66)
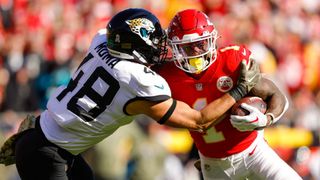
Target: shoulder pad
(142,79)
(100,37)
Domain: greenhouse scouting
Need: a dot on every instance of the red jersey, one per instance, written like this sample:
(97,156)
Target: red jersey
(222,139)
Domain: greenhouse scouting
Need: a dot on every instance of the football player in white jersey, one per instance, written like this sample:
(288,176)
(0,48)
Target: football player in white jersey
(109,89)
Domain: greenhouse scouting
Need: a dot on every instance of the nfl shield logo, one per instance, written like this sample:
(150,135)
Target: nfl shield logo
(199,86)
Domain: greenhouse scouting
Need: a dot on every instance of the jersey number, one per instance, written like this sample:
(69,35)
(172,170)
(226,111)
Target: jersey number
(101,101)
(212,135)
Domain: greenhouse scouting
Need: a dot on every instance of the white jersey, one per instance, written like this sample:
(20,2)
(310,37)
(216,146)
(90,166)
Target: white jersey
(92,106)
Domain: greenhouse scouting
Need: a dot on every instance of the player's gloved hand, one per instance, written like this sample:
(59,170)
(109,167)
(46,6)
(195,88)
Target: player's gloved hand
(249,77)
(7,156)
(7,150)
(253,121)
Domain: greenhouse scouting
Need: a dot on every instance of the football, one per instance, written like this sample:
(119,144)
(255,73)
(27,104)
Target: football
(250,100)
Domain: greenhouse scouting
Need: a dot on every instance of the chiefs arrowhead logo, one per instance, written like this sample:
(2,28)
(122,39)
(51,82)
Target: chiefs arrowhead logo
(224,83)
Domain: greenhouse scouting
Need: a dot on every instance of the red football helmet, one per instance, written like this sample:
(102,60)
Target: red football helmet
(192,37)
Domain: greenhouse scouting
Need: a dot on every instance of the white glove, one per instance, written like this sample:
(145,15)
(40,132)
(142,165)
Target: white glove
(253,121)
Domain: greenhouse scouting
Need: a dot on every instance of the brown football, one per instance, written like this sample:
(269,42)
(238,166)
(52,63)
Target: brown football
(250,100)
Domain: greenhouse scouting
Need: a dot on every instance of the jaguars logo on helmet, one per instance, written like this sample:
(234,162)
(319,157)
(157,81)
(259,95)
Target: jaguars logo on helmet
(143,27)
(135,34)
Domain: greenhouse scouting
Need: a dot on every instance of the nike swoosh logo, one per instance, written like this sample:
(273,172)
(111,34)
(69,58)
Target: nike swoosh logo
(244,53)
(256,120)
(250,153)
(160,87)
(249,80)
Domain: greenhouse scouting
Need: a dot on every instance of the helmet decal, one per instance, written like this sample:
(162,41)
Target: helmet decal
(117,39)
(136,34)
(143,27)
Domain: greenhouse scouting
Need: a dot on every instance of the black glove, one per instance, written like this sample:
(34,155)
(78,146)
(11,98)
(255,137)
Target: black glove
(249,77)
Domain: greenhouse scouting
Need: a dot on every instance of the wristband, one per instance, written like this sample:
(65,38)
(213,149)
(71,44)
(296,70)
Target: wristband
(271,118)
(238,92)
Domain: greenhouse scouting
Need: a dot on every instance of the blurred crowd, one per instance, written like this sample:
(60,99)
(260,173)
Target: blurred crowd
(43,41)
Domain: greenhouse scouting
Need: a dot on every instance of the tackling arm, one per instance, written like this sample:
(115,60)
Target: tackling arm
(179,114)
(183,116)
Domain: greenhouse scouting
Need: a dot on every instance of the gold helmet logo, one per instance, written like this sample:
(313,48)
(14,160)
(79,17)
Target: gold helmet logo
(142,27)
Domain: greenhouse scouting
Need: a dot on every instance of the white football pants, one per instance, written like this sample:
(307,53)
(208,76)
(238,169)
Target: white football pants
(257,162)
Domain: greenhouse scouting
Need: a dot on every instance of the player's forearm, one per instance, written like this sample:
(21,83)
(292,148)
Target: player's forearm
(275,98)
(185,117)
(213,111)
(187,124)
(277,106)
(170,112)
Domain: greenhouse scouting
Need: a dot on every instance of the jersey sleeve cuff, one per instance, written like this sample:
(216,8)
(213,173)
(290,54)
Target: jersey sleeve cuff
(159,98)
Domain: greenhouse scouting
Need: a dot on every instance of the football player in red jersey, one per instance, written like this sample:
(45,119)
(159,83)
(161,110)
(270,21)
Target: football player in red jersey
(233,148)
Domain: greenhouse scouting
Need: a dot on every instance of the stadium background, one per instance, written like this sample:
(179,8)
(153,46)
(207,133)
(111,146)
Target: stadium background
(43,41)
